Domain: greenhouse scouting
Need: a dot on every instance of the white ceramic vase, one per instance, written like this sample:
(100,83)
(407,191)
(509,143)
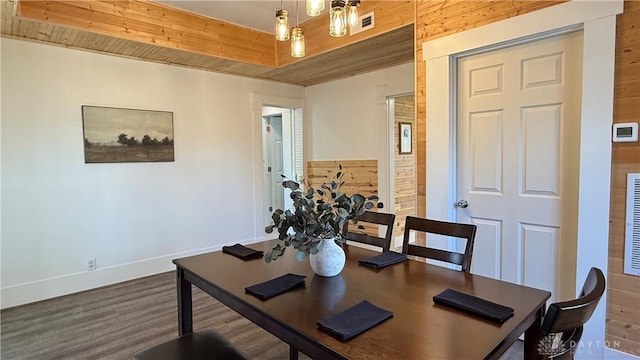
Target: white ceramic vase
(329,261)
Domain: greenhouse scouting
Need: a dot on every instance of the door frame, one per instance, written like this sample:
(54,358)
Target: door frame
(598,21)
(257,101)
(391,132)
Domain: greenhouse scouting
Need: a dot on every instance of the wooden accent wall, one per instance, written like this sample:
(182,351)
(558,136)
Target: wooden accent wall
(361,176)
(405,165)
(623,291)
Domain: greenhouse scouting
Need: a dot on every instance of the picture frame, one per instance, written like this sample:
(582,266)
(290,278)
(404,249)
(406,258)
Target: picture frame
(115,135)
(405,137)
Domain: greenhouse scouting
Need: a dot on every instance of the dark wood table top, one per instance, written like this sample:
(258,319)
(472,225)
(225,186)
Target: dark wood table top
(419,329)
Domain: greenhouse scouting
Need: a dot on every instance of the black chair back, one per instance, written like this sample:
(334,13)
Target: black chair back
(464,231)
(566,319)
(354,232)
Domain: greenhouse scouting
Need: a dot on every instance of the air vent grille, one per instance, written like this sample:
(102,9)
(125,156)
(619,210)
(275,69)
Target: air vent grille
(632,230)
(366,22)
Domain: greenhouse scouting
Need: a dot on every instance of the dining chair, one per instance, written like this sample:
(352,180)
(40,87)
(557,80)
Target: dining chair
(563,323)
(355,232)
(202,345)
(458,230)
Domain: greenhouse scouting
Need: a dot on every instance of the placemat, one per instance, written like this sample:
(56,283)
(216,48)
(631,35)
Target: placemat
(383,260)
(474,305)
(242,252)
(274,287)
(354,320)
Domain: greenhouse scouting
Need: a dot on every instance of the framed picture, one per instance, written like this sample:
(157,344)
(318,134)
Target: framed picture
(405,138)
(126,135)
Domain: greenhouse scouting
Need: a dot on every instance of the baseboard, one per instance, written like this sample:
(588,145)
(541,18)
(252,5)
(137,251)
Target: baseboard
(67,284)
(610,354)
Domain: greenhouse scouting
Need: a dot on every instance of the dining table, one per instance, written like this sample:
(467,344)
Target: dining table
(418,329)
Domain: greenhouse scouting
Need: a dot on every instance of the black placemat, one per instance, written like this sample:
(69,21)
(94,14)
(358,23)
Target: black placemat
(242,252)
(268,289)
(474,305)
(354,320)
(384,259)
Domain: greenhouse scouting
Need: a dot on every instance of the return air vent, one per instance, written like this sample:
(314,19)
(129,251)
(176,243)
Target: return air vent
(632,230)
(365,22)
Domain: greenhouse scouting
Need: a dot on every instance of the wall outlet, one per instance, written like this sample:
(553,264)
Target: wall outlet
(91,264)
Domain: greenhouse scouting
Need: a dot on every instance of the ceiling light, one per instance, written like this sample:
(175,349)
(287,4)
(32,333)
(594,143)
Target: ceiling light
(282,25)
(297,42)
(315,7)
(297,38)
(337,19)
(352,5)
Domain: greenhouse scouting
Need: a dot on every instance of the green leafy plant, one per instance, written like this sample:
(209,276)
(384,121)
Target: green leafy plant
(317,214)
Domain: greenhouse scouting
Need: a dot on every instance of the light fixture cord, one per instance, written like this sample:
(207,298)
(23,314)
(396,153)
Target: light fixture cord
(296,13)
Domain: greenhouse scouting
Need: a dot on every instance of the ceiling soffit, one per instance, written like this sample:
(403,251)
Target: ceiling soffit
(387,49)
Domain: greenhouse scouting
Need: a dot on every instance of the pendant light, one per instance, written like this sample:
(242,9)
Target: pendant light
(352,5)
(297,38)
(338,19)
(282,24)
(297,42)
(315,7)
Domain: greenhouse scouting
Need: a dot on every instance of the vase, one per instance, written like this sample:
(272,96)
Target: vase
(329,261)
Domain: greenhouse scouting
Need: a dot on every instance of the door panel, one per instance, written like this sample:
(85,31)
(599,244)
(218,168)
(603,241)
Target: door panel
(486,151)
(487,247)
(541,125)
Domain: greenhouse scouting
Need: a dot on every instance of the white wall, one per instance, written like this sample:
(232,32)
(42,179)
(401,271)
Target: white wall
(342,116)
(347,119)
(133,218)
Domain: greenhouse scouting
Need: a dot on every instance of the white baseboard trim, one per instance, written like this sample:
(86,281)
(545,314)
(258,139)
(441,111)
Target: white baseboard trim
(610,354)
(44,289)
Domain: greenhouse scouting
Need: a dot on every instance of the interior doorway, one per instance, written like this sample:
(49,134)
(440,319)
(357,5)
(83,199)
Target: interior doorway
(404,189)
(282,155)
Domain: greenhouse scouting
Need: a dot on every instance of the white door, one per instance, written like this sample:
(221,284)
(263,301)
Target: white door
(517,160)
(275,164)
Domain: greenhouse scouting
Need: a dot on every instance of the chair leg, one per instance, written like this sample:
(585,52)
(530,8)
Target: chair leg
(293,353)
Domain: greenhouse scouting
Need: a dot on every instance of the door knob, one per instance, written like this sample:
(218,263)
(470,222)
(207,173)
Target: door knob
(462,203)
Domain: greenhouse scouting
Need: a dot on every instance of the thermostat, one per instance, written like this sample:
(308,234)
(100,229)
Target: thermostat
(625,132)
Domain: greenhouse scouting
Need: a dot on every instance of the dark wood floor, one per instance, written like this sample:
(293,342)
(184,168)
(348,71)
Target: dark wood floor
(115,321)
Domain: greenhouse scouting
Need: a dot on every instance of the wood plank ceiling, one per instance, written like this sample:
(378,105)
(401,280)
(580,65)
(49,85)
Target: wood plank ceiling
(384,49)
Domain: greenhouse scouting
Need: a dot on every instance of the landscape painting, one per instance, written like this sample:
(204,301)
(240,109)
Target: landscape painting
(126,135)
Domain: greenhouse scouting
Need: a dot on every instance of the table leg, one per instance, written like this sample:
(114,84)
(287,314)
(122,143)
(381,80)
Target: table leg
(185,312)
(293,353)
(532,337)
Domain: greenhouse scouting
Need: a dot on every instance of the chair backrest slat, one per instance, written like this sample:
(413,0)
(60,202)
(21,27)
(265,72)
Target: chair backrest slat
(352,233)
(458,230)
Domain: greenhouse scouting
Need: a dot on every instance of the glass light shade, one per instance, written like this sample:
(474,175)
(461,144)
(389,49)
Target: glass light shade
(338,19)
(315,7)
(297,42)
(282,25)
(353,13)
